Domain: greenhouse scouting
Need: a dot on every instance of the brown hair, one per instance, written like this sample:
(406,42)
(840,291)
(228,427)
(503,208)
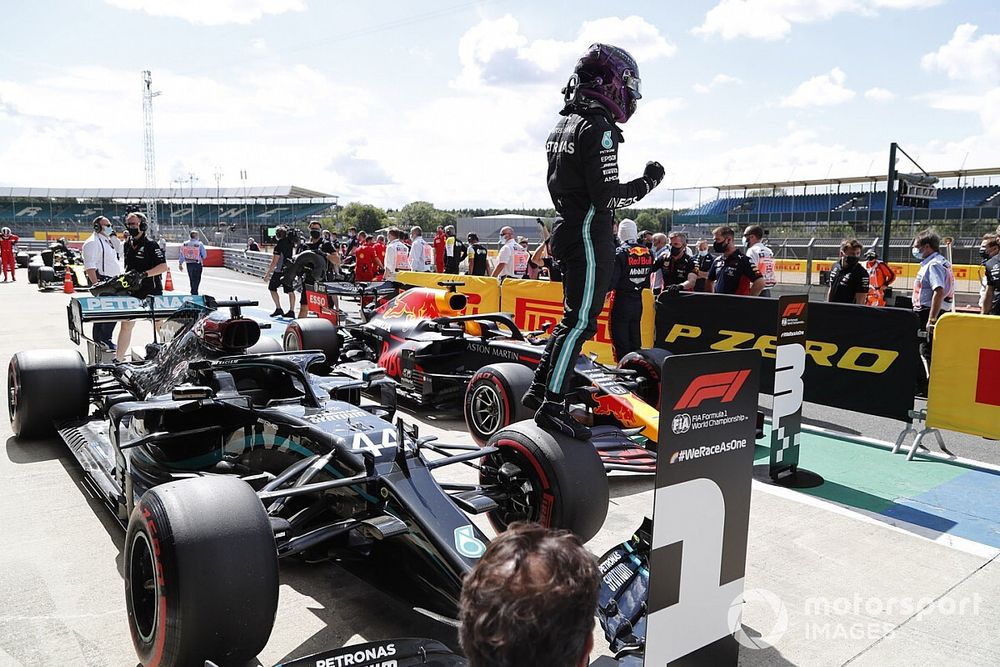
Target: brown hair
(849,244)
(530,600)
(928,237)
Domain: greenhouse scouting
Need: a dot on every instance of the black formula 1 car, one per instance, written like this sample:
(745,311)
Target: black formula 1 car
(48,268)
(222,461)
(482,362)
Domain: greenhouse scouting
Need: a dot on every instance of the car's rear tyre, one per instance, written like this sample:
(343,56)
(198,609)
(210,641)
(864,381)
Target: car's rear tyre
(560,482)
(314,333)
(201,573)
(22,259)
(33,272)
(647,365)
(493,399)
(45,387)
(265,345)
(46,274)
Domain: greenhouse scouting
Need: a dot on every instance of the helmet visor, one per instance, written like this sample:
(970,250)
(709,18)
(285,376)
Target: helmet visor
(634,85)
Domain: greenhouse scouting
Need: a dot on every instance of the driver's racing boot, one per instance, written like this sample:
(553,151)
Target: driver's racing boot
(534,397)
(553,416)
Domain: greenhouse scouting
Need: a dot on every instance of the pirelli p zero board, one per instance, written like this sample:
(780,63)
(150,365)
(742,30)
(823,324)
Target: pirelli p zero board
(857,358)
(701,507)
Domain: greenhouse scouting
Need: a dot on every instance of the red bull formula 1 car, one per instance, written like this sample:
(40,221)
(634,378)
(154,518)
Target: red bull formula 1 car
(221,461)
(483,362)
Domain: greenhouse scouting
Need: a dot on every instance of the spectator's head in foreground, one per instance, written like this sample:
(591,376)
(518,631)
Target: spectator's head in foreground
(530,600)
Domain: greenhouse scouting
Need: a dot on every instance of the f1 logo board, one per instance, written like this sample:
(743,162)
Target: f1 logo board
(701,507)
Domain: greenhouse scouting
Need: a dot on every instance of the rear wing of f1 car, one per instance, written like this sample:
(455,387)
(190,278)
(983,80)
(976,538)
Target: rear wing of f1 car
(82,310)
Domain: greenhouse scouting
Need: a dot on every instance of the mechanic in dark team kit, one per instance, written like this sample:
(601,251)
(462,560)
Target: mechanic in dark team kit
(147,262)
(478,257)
(633,266)
(732,272)
(583,182)
(679,269)
(848,277)
(281,259)
(989,252)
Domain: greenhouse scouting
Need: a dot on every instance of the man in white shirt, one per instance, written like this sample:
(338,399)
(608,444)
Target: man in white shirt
(760,256)
(397,255)
(512,260)
(100,260)
(420,251)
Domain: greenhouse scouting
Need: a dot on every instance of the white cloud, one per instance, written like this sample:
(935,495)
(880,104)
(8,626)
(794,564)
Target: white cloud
(823,90)
(773,19)
(495,53)
(879,95)
(709,135)
(717,80)
(966,57)
(212,12)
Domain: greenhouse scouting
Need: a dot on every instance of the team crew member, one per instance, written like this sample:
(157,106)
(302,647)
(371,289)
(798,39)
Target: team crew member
(760,256)
(880,276)
(732,272)
(316,243)
(380,249)
(530,600)
(100,261)
(659,241)
(397,255)
(144,257)
(512,260)
(454,251)
(989,251)
(352,240)
(252,245)
(582,154)
(281,259)
(633,265)
(478,257)
(933,287)
(439,242)
(702,263)
(367,264)
(848,279)
(8,240)
(420,251)
(676,266)
(193,256)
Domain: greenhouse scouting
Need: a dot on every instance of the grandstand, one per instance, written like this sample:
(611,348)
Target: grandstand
(47,212)
(854,202)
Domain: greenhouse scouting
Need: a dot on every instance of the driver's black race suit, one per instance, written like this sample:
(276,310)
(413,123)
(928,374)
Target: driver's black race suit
(583,182)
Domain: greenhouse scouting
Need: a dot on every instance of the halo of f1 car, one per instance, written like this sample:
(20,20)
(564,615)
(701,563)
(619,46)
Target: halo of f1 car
(223,455)
(482,362)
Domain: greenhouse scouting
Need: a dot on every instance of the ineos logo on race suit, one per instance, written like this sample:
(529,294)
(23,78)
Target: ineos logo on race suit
(560,147)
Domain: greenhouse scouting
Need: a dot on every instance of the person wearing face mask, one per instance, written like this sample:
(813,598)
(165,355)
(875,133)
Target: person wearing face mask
(760,255)
(677,266)
(732,272)
(659,241)
(583,182)
(848,279)
(352,241)
(144,259)
(397,255)
(512,260)
(880,277)
(633,266)
(100,261)
(933,288)
(989,252)
(8,240)
(702,263)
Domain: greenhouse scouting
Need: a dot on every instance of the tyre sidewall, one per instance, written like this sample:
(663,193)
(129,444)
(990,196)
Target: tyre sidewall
(510,381)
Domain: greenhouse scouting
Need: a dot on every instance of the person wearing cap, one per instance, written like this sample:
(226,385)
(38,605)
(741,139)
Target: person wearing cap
(760,256)
(880,276)
(632,268)
(478,257)
(454,251)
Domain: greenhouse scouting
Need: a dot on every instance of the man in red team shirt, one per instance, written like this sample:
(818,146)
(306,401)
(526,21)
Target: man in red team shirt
(367,264)
(380,246)
(440,241)
(8,240)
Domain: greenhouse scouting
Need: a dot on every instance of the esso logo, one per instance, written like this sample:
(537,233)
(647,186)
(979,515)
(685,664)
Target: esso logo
(317,299)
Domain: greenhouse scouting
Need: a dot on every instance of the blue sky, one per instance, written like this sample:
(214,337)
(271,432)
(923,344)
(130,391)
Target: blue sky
(451,102)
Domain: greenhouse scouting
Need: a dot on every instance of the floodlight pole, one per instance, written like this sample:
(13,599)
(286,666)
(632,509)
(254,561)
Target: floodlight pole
(889,200)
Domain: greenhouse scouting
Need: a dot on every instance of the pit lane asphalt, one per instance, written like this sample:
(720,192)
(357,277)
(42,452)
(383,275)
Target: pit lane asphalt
(61,593)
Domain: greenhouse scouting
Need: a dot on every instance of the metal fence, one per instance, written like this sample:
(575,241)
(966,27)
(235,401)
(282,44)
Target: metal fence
(251,263)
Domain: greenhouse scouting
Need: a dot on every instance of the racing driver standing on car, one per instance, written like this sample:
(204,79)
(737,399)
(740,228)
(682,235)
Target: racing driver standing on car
(583,182)
(145,262)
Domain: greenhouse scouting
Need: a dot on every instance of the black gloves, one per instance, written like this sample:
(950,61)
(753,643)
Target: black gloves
(131,279)
(653,174)
(673,289)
